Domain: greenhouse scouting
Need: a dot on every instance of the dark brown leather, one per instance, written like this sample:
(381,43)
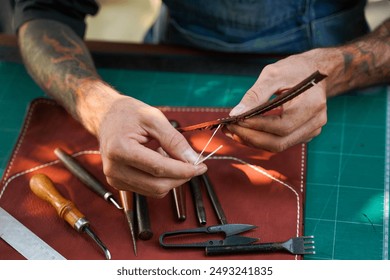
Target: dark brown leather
(269,193)
(282,97)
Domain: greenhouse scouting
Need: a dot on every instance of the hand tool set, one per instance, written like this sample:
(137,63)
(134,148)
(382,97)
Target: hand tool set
(232,243)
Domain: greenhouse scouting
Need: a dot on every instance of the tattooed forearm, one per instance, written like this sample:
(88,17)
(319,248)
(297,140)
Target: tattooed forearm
(57,59)
(366,61)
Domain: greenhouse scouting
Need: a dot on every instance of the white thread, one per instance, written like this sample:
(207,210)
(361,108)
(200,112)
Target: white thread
(194,109)
(86,152)
(13,177)
(303,158)
(208,142)
(23,134)
(256,168)
(216,150)
(20,141)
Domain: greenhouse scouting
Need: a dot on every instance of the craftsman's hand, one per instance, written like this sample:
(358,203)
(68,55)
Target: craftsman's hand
(299,120)
(128,164)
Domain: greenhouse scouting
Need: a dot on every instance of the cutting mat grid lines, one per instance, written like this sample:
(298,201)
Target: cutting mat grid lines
(346,177)
(346,206)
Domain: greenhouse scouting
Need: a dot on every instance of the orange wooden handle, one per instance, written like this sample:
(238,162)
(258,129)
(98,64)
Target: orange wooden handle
(43,187)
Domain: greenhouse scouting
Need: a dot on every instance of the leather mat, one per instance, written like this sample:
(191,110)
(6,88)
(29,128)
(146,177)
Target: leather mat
(254,187)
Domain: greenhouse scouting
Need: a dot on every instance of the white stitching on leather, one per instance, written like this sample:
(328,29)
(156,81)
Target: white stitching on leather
(86,152)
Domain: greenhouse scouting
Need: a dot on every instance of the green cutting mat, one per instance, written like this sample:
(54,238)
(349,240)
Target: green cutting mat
(347,203)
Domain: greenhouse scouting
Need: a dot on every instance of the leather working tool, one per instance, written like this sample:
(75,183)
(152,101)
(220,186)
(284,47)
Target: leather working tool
(231,232)
(144,231)
(214,199)
(84,176)
(197,198)
(179,192)
(263,108)
(127,199)
(179,197)
(43,187)
(296,246)
(24,240)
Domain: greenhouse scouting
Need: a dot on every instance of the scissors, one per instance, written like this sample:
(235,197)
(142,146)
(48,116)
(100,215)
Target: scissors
(231,232)
(282,98)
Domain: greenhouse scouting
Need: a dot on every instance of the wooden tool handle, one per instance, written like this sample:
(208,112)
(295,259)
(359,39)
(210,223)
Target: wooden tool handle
(81,173)
(43,187)
(143,219)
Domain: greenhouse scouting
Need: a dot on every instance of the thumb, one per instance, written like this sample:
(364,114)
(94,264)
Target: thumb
(174,143)
(250,100)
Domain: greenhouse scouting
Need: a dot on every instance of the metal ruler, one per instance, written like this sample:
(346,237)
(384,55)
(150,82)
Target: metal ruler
(386,211)
(24,240)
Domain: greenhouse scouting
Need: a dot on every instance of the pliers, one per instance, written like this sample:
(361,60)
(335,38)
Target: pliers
(231,232)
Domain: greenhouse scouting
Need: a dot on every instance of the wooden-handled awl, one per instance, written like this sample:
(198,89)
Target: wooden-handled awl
(43,187)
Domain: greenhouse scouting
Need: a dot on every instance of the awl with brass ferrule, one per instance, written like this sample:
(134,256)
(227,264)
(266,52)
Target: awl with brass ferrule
(85,176)
(127,200)
(43,187)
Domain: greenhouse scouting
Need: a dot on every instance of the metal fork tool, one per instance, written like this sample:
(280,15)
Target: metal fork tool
(296,246)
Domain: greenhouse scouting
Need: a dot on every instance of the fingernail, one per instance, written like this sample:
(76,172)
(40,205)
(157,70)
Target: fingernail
(228,134)
(162,152)
(240,108)
(200,169)
(190,156)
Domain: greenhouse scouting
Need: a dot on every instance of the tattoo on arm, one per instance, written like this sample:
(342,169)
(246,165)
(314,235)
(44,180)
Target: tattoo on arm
(367,60)
(348,58)
(57,59)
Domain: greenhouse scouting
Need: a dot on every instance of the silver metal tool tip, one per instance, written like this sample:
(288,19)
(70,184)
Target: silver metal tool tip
(113,201)
(130,221)
(107,253)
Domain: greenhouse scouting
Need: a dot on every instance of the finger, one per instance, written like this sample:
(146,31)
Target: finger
(284,124)
(268,83)
(151,162)
(131,179)
(172,141)
(295,114)
(162,152)
(272,142)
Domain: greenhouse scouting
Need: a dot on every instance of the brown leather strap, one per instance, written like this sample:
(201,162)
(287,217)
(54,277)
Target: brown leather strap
(289,94)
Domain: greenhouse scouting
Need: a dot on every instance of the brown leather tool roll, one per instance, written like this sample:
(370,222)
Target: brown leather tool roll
(254,187)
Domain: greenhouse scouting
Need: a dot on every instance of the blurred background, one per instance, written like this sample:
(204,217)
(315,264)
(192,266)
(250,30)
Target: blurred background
(128,20)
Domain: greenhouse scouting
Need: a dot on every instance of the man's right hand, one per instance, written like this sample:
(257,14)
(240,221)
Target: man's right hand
(125,128)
